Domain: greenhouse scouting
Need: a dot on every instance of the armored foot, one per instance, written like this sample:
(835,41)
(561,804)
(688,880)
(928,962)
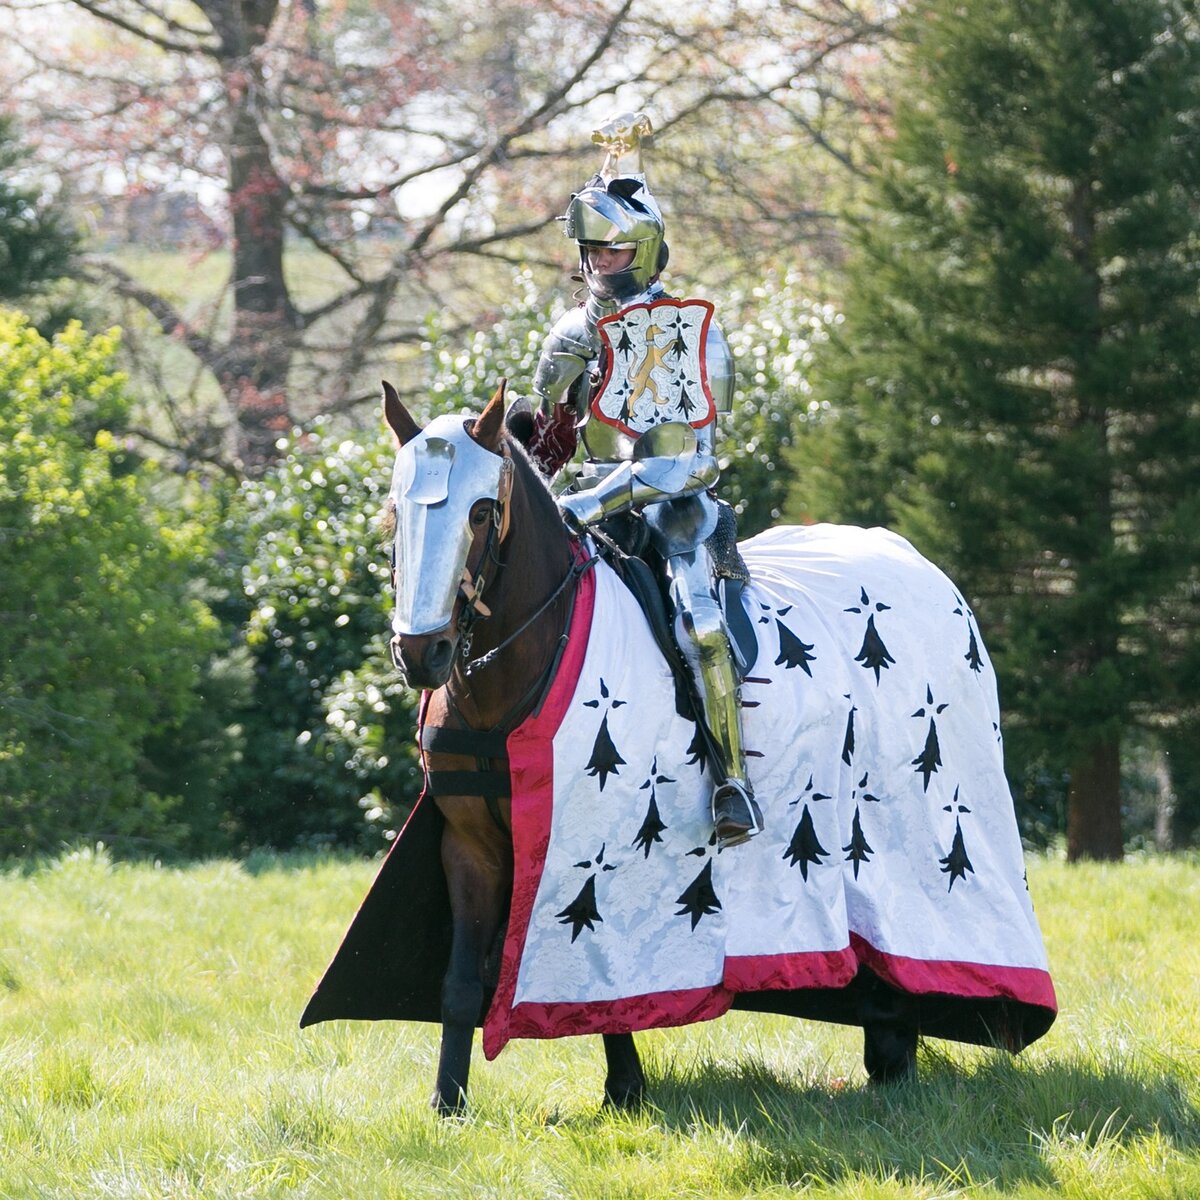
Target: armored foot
(736,815)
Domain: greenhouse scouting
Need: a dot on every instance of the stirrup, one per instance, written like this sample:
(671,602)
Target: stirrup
(736,815)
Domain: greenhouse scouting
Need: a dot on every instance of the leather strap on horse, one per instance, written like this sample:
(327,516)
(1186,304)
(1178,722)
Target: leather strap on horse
(478,743)
(489,780)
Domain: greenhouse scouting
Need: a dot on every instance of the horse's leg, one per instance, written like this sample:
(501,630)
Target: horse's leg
(479,881)
(625,1084)
(889,1033)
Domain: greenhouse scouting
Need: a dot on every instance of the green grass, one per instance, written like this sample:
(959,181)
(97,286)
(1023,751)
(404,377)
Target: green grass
(149,1048)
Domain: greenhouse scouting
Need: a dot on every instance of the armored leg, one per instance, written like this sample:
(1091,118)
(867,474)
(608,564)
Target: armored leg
(704,640)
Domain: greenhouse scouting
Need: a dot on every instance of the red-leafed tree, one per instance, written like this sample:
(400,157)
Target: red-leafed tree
(452,132)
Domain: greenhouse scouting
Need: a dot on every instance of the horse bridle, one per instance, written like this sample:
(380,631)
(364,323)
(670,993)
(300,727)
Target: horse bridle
(473,583)
(489,779)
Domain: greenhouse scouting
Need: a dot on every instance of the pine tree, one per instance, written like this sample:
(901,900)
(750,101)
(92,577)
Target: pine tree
(35,242)
(1019,370)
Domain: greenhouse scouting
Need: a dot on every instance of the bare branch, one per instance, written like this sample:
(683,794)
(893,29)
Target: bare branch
(310,234)
(169,319)
(195,45)
(187,450)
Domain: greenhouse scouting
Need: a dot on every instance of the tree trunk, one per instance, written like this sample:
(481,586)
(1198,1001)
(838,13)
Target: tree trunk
(254,372)
(1094,794)
(1094,804)
(1164,807)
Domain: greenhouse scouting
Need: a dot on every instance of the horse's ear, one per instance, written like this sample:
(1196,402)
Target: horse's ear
(489,426)
(398,419)
(519,421)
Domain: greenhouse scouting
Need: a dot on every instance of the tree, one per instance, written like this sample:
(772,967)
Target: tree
(450,134)
(1018,373)
(36,243)
(328,727)
(774,331)
(100,628)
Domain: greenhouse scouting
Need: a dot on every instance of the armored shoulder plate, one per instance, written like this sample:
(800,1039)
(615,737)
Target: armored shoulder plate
(569,346)
(718,360)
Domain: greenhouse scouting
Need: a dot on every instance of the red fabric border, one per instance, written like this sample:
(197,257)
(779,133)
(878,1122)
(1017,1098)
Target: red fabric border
(531,770)
(627,1014)
(781,972)
(1029,985)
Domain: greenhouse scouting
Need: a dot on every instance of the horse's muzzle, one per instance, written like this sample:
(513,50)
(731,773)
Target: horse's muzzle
(424,660)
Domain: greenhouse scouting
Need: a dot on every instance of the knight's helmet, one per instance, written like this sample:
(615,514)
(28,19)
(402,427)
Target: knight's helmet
(615,209)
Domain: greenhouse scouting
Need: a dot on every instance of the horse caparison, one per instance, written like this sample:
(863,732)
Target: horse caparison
(887,890)
(529,565)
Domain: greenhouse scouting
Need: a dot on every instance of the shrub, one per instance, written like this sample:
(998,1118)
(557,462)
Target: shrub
(102,633)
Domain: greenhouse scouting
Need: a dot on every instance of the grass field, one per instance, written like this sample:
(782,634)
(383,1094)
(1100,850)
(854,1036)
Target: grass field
(149,1048)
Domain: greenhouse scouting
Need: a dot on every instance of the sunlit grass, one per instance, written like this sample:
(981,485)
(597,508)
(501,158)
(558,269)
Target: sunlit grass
(149,1048)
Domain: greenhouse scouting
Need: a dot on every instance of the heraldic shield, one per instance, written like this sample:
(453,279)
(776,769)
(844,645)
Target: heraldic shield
(656,368)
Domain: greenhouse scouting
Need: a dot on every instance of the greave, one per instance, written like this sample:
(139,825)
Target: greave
(705,644)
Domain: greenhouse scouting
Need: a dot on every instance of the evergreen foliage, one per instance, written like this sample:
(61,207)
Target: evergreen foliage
(1018,374)
(101,629)
(327,727)
(35,243)
(774,330)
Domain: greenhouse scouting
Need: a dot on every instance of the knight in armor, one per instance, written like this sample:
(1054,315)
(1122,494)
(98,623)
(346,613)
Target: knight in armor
(639,378)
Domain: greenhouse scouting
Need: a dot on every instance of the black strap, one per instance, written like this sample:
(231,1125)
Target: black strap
(487,743)
(489,747)
(489,780)
(490,783)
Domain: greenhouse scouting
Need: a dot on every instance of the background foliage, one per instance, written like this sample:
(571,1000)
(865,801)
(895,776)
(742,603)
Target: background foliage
(993,216)
(1017,380)
(102,632)
(36,239)
(325,728)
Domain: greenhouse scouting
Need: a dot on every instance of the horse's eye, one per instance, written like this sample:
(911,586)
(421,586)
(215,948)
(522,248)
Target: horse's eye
(479,518)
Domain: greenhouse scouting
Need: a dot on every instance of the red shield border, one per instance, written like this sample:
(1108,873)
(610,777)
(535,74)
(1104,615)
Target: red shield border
(602,328)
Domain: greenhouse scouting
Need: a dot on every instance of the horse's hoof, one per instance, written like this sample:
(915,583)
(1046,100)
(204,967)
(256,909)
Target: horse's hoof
(446,1107)
(891,1057)
(629,1099)
(890,1078)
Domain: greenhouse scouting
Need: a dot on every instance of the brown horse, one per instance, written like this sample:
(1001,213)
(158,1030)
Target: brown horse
(487,580)
(518,641)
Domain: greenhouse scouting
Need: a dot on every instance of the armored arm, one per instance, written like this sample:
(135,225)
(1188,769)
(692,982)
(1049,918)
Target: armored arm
(671,461)
(566,352)
(718,360)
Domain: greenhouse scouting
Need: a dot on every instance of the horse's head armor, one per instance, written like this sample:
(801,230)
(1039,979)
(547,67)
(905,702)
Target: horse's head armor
(439,477)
